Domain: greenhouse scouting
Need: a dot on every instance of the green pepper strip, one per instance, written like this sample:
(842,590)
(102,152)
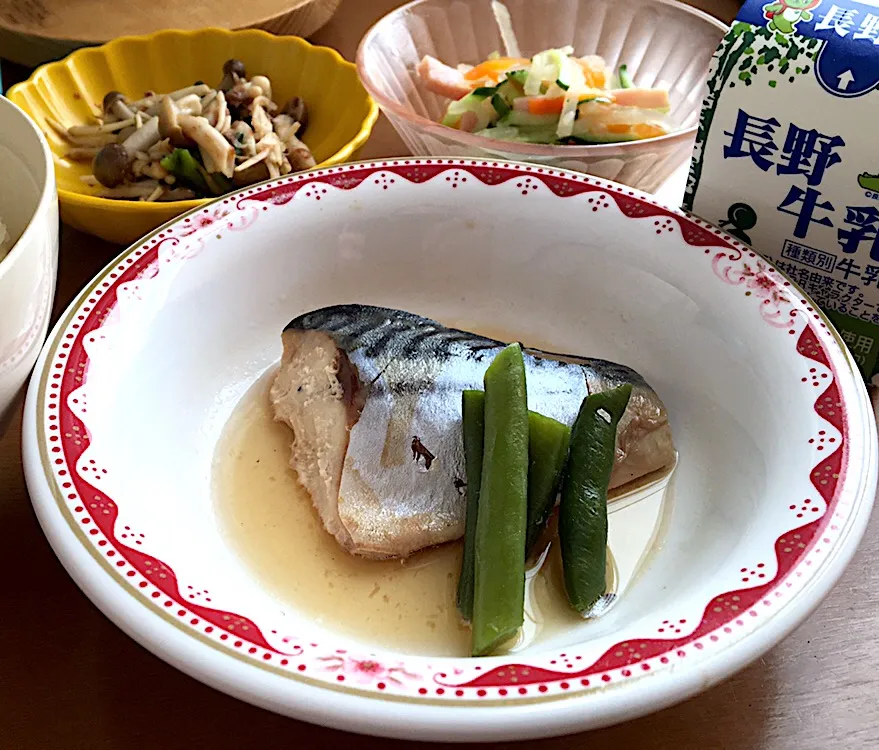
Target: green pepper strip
(547,452)
(473,411)
(583,509)
(499,590)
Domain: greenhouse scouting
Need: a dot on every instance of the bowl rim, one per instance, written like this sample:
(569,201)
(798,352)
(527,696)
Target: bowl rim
(47,193)
(384,716)
(294,6)
(74,198)
(520,149)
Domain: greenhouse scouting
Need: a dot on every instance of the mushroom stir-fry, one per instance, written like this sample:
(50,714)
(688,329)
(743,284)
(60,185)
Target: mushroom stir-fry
(192,143)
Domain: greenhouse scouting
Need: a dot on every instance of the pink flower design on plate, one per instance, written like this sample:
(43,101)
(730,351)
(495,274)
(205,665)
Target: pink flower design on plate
(758,281)
(202,221)
(367,671)
(761,283)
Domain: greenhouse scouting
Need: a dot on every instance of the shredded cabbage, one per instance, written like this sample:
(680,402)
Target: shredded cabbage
(505,26)
(545,67)
(572,73)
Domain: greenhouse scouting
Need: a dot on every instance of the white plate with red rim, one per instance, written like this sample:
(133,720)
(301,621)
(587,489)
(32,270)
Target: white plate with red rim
(777,443)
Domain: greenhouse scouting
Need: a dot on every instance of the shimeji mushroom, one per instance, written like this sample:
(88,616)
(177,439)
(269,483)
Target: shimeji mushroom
(112,165)
(144,137)
(260,122)
(251,174)
(233,71)
(178,194)
(244,94)
(142,189)
(238,128)
(297,110)
(116,107)
(150,105)
(169,127)
(85,131)
(265,85)
(298,153)
(217,153)
(270,153)
(113,162)
(191,104)
(84,136)
(160,150)
(243,140)
(217,113)
(169,111)
(82,153)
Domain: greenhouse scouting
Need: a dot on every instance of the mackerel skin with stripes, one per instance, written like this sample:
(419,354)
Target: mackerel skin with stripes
(373,397)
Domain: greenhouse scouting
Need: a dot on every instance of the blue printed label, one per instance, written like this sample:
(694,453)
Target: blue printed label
(784,157)
(848,65)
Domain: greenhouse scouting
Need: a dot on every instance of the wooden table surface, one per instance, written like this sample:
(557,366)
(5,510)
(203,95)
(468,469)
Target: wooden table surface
(70,679)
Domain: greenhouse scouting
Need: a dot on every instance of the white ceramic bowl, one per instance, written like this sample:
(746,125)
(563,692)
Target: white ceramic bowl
(777,443)
(29,209)
(663,42)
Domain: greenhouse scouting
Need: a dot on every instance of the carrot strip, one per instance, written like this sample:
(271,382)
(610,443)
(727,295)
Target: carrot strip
(645,130)
(542,105)
(492,69)
(595,78)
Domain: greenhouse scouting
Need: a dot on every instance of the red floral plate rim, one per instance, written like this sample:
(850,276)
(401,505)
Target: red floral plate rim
(62,437)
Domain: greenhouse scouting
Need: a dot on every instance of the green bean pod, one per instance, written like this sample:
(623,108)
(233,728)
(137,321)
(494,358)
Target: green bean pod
(547,451)
(583,509)
(499,580)
(473,424)
(548,442)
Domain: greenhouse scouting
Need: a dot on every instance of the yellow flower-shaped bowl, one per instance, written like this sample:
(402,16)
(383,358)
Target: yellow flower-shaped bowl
(341,113)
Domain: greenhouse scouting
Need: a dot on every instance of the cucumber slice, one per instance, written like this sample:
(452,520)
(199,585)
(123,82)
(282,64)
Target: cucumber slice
(509,90)
(546,136)
(500,133)
(478,103)
(526,119)
(500,105)
(543,135)
(582,135)
(625,78)
(505,93)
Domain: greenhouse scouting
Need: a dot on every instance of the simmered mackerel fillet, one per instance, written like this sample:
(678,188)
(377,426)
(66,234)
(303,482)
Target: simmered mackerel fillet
(373,397)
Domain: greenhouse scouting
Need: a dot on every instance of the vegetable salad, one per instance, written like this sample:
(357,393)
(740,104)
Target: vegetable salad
(553,98)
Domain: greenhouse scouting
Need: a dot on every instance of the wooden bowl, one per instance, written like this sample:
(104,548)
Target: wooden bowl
(35,33)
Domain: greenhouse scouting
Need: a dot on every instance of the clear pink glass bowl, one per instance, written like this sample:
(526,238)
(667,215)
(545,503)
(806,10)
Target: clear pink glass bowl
(664,43)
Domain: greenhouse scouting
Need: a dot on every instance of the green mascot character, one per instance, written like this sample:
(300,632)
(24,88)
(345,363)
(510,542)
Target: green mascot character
(784,15)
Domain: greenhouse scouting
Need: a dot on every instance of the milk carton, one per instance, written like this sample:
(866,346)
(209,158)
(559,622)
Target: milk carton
(787,153)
